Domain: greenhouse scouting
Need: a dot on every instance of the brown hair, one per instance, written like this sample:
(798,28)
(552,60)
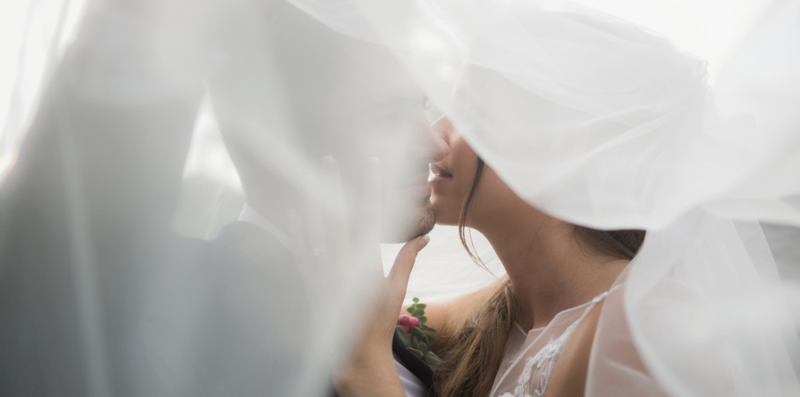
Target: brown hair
(473,353)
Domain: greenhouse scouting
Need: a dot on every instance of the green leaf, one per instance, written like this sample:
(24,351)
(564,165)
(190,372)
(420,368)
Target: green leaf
(423,347)
(423,320)
(422,305)
(415,300)
(417,333)
(410,310)
(418,353)
(419,313)
(431,340)
(414,342)
(427,328)
(403,336)
(431,358)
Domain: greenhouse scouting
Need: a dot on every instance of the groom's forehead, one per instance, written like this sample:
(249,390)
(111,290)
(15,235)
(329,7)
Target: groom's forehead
(322,70)
(359,75)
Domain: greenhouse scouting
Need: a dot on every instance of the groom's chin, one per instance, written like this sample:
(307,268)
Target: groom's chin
(400,229)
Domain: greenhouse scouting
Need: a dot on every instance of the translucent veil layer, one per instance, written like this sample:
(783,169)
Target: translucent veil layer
(128,265)
(592,118)
(609,124)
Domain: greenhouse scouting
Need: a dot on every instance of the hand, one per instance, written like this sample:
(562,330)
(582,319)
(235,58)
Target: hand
(325,253)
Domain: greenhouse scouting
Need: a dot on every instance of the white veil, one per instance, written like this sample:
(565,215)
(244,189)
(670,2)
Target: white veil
(589,117)
(608,124)
(123,268)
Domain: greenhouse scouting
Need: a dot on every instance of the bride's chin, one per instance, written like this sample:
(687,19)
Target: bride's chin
(446,215)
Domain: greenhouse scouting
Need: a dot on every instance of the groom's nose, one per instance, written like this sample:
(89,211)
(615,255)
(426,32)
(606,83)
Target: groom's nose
(432,146)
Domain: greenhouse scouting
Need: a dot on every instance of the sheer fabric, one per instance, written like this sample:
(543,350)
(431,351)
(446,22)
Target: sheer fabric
(531,361)
(99,295)
(608,124)
(627,116)
(35,36)
(587,116)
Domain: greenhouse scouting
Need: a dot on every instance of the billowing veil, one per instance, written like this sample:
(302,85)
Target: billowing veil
(609,124)
(137,130)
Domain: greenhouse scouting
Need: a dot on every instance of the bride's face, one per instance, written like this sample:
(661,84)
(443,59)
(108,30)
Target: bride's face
(453,177)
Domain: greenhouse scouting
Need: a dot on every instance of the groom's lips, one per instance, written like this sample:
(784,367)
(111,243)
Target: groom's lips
(421,188)
(421,191)
(439,174)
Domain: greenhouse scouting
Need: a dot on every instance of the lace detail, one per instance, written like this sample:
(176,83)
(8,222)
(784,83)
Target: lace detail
(547,357)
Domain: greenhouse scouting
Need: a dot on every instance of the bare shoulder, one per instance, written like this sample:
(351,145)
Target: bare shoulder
(569,375)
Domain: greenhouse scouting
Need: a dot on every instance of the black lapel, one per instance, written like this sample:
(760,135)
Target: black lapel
(413,363)
(264,246)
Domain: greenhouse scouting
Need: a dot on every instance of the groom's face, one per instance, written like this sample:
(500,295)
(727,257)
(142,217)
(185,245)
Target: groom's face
(379,112)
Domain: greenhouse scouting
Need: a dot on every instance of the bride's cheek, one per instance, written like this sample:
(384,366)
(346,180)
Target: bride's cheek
(446,208)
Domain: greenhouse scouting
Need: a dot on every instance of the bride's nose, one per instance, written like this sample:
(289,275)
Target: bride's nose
(433,146)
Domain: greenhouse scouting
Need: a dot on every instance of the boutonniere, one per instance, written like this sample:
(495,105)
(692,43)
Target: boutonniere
(415,335)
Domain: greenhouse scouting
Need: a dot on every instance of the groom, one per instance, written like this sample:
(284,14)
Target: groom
(348,99)
(97,295)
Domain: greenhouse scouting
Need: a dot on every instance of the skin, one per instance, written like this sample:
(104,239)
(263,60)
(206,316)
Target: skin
(377,111)
(375,98)
(548,269)
(548,272)
(380,113)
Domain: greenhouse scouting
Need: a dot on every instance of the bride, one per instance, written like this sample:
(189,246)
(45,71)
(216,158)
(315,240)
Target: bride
(570,122)
(587,120)
(555,270)
(551,266)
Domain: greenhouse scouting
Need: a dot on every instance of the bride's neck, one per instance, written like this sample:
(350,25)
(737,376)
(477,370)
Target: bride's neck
(550,271)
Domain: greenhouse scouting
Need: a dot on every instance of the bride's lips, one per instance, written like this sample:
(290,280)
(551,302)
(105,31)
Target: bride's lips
(439,174)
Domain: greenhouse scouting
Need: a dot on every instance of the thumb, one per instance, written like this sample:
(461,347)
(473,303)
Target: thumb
(401,269)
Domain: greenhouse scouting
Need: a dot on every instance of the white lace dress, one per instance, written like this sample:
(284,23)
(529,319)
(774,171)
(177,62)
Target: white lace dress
(530,357)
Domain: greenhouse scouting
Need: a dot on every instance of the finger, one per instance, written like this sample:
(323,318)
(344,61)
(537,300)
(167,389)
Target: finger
(404,263)
(300,251)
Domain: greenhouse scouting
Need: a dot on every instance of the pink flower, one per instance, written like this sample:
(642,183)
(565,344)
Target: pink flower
(405,322)
(413,322)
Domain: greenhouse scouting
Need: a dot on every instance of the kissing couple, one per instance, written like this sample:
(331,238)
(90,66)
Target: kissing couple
(555,269)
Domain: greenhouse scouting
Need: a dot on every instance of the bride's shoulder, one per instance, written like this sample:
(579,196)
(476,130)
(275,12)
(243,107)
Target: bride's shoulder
(569,375)
(446,314)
